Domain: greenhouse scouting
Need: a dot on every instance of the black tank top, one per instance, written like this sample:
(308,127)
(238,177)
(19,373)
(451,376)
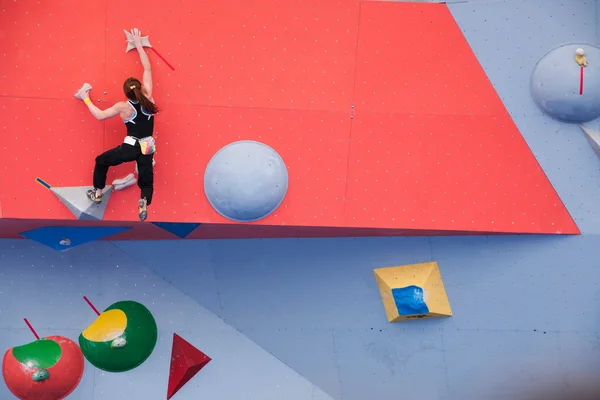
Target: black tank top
(141,124)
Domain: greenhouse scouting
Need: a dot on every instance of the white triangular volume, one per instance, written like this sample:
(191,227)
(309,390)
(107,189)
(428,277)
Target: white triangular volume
(76,200)
(593,137)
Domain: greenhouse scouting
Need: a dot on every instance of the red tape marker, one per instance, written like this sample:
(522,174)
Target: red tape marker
(91,305)
(31,328)
(162,58)
(581,81)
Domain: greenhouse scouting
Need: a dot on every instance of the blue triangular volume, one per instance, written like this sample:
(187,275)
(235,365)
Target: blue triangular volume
(66,237)
(181,229)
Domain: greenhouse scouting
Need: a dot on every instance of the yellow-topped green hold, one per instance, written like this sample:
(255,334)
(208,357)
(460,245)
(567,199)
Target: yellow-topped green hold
(121,338)
(108,326)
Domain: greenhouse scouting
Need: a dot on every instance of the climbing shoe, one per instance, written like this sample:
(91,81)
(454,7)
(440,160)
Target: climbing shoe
(92,195)
(143,209)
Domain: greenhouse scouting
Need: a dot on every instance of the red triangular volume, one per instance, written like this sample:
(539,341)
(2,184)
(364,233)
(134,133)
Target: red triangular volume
(186,361)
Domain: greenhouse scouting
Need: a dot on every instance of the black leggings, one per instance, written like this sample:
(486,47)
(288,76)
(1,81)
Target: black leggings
(126,153)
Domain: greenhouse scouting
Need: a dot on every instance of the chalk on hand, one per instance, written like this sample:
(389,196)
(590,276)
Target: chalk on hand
(85,88)
(131,46)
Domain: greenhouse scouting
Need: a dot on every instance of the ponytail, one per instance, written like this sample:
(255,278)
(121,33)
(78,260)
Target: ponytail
(133,90)
(145,103)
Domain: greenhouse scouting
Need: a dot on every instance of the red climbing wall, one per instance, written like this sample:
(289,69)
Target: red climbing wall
(432,143)
(382,113)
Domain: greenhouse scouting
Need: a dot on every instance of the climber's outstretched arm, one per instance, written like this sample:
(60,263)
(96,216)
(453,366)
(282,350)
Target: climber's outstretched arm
(117,109)
(111,112)
(147,77)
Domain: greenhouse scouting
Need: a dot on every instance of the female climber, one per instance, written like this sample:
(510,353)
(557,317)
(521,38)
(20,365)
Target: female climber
(138,115)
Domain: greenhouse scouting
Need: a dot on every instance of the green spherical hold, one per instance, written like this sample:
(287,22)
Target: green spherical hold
(121,338)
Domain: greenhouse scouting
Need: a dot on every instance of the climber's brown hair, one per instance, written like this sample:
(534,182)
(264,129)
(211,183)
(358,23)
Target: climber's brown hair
(133,90)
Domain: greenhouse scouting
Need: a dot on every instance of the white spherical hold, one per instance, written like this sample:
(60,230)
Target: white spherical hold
(579,52)
(118,343)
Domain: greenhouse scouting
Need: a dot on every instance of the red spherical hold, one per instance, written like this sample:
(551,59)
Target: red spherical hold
(54,383)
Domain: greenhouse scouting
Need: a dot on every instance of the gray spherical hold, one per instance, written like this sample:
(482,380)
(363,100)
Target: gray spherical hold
(245,181)
(557,86)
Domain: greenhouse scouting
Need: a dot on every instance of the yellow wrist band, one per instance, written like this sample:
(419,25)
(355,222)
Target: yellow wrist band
(87,100)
